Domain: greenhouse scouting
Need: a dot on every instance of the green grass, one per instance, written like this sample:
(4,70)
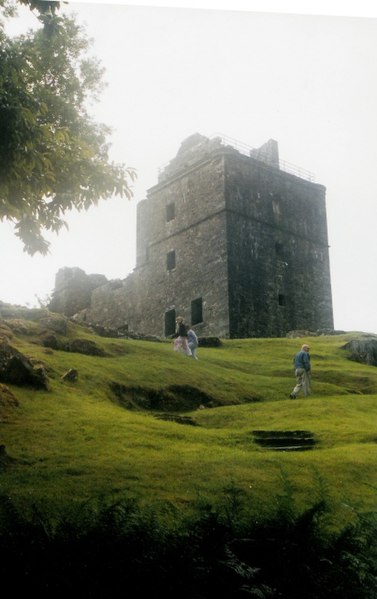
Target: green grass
(76,442)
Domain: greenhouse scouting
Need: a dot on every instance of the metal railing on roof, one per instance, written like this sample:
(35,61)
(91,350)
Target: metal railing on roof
(247,150)
(298,171)
(285,166)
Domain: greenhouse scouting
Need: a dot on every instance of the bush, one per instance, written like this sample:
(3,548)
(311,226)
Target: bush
(103,550)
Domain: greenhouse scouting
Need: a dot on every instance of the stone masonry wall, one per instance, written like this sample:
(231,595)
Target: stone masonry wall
(241,237)
(279,276)
(196,236)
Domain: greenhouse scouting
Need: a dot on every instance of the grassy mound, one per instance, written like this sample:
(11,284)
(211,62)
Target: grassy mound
(122,429)
(148,470)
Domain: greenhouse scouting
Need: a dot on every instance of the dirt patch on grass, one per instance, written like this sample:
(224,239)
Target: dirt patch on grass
(175,398)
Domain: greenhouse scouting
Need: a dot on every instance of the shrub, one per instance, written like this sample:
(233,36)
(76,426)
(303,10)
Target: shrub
(102,550)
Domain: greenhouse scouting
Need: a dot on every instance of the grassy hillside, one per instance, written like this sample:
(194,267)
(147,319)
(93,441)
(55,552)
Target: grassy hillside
(108,434)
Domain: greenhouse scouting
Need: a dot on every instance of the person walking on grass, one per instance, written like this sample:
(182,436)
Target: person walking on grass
(180,337)
(302,368)
(193,342)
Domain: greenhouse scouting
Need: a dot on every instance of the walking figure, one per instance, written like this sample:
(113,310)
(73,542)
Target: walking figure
(302,366)
(193,342)
(180,337)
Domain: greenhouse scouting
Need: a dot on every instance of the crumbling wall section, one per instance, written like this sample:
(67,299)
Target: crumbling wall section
(73,290)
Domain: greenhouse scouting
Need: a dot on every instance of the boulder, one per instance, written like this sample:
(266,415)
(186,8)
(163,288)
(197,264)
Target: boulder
(363,350)
(18,326)
(84,346)
(16,369)
(209,342)
(71,375)
(49,339)
(58,324)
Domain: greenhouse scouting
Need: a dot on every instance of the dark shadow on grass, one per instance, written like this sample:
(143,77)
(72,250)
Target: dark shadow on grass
(174,398)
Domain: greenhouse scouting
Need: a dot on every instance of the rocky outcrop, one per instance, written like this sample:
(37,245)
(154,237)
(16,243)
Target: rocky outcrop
(58,324)
(363,350)
(16,369)
(84,346)
(5,332)
(71,375)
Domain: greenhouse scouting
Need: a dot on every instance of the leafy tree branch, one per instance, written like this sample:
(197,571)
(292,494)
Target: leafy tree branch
(53,156)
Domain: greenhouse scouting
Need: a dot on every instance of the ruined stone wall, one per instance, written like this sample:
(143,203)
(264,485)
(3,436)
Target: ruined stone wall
(108,306)
(279,276)
(73,290)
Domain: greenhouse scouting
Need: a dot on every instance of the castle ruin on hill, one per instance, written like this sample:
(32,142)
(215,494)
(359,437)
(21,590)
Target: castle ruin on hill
(227,238)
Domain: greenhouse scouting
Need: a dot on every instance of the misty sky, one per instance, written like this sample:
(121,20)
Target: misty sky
(307,81)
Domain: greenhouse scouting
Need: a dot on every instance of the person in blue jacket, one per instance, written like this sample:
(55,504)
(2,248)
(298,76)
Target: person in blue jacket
(302,369)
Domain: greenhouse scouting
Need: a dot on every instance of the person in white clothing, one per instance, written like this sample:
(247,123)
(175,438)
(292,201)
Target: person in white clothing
(193,342)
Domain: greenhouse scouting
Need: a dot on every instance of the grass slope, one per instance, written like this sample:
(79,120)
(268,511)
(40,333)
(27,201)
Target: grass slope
(99,437)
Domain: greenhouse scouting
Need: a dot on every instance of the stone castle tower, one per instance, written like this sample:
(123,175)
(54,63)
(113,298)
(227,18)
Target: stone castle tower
(230,241)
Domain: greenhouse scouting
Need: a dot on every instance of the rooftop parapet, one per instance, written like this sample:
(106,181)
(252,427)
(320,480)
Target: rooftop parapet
(198,147)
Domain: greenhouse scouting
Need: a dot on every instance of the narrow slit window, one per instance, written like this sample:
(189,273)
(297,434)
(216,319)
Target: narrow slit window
(169,323)
(196,311)
(170,260)
(279,250)
(281,299)
(170,212)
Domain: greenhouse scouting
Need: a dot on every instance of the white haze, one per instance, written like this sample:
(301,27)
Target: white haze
(306,80)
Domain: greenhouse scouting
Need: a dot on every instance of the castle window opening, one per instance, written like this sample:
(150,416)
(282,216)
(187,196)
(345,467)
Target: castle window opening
(170,212)
(276,208)
(169,323)
(281,299)
(196,311)
(279,249)
(170,260)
